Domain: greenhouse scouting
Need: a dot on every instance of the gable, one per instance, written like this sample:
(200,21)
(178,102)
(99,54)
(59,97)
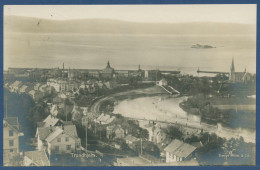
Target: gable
(62,136)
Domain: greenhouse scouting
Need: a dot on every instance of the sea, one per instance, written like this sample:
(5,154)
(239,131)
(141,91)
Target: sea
(127,51)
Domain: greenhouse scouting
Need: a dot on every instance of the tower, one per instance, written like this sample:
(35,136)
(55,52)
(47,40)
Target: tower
(232,71)
(108,64)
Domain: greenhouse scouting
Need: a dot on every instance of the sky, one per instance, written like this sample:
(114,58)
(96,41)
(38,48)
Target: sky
(235,13)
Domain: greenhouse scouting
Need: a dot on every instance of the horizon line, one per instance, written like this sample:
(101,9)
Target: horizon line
(113,19)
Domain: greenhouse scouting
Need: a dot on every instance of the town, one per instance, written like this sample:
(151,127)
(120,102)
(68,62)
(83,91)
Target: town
(66,117)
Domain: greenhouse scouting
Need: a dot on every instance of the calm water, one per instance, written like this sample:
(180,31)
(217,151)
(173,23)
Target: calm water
(127,51)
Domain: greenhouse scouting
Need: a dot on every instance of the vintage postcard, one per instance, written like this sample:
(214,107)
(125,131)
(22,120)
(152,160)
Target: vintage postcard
(129,85)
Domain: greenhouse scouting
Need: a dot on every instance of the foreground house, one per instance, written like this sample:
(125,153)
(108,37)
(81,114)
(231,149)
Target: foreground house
(178,151)
(58,139)
(36,158)
(11,135)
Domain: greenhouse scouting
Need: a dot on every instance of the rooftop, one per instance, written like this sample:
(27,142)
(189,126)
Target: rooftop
(38,157)
(179,148)
(12,122)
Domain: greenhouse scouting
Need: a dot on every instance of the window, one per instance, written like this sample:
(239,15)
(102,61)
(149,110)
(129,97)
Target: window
(68,147)
(11,133)
(57,148)
(11,143)
(67,139)
(11,150)
(58,139)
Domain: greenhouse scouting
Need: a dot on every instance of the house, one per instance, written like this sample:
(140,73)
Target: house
(36,158)
(110,84)
(156,134)
(104,119)
(120,133)
(54,110)
(129,139)
(178,151)
(11,133)
(58,139)
(51,120)
(46,90)
(162,82)
(78,112)
(15,86)
(84,121)
(23,89)
(109,131)
(37,86)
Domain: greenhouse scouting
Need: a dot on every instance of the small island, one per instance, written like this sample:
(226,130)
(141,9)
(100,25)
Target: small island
(201,46)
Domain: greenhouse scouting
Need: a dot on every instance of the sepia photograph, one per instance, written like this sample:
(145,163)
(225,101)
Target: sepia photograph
(129,85)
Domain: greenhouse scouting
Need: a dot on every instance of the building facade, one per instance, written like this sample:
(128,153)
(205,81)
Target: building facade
(11,135)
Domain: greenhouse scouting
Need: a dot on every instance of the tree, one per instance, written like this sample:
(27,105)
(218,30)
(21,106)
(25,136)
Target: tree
(147,148)
(174,132)
(38,113)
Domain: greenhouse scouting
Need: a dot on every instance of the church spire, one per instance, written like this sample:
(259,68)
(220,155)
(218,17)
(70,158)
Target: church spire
(108,64)
(232,67)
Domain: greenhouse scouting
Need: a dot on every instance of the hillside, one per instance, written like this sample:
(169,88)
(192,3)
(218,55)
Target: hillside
(108,26)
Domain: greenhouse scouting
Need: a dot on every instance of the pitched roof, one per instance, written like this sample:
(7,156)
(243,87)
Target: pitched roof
(16,83)
(240,74)
(51,121)
(71,130)
(12,122)
(131,138)
(23,88)
(44,132)
(40,124)
(54,134)
(38,157)
(50,133)
(179,148)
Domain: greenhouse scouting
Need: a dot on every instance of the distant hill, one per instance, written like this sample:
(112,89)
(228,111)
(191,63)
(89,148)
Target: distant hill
(36,25)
